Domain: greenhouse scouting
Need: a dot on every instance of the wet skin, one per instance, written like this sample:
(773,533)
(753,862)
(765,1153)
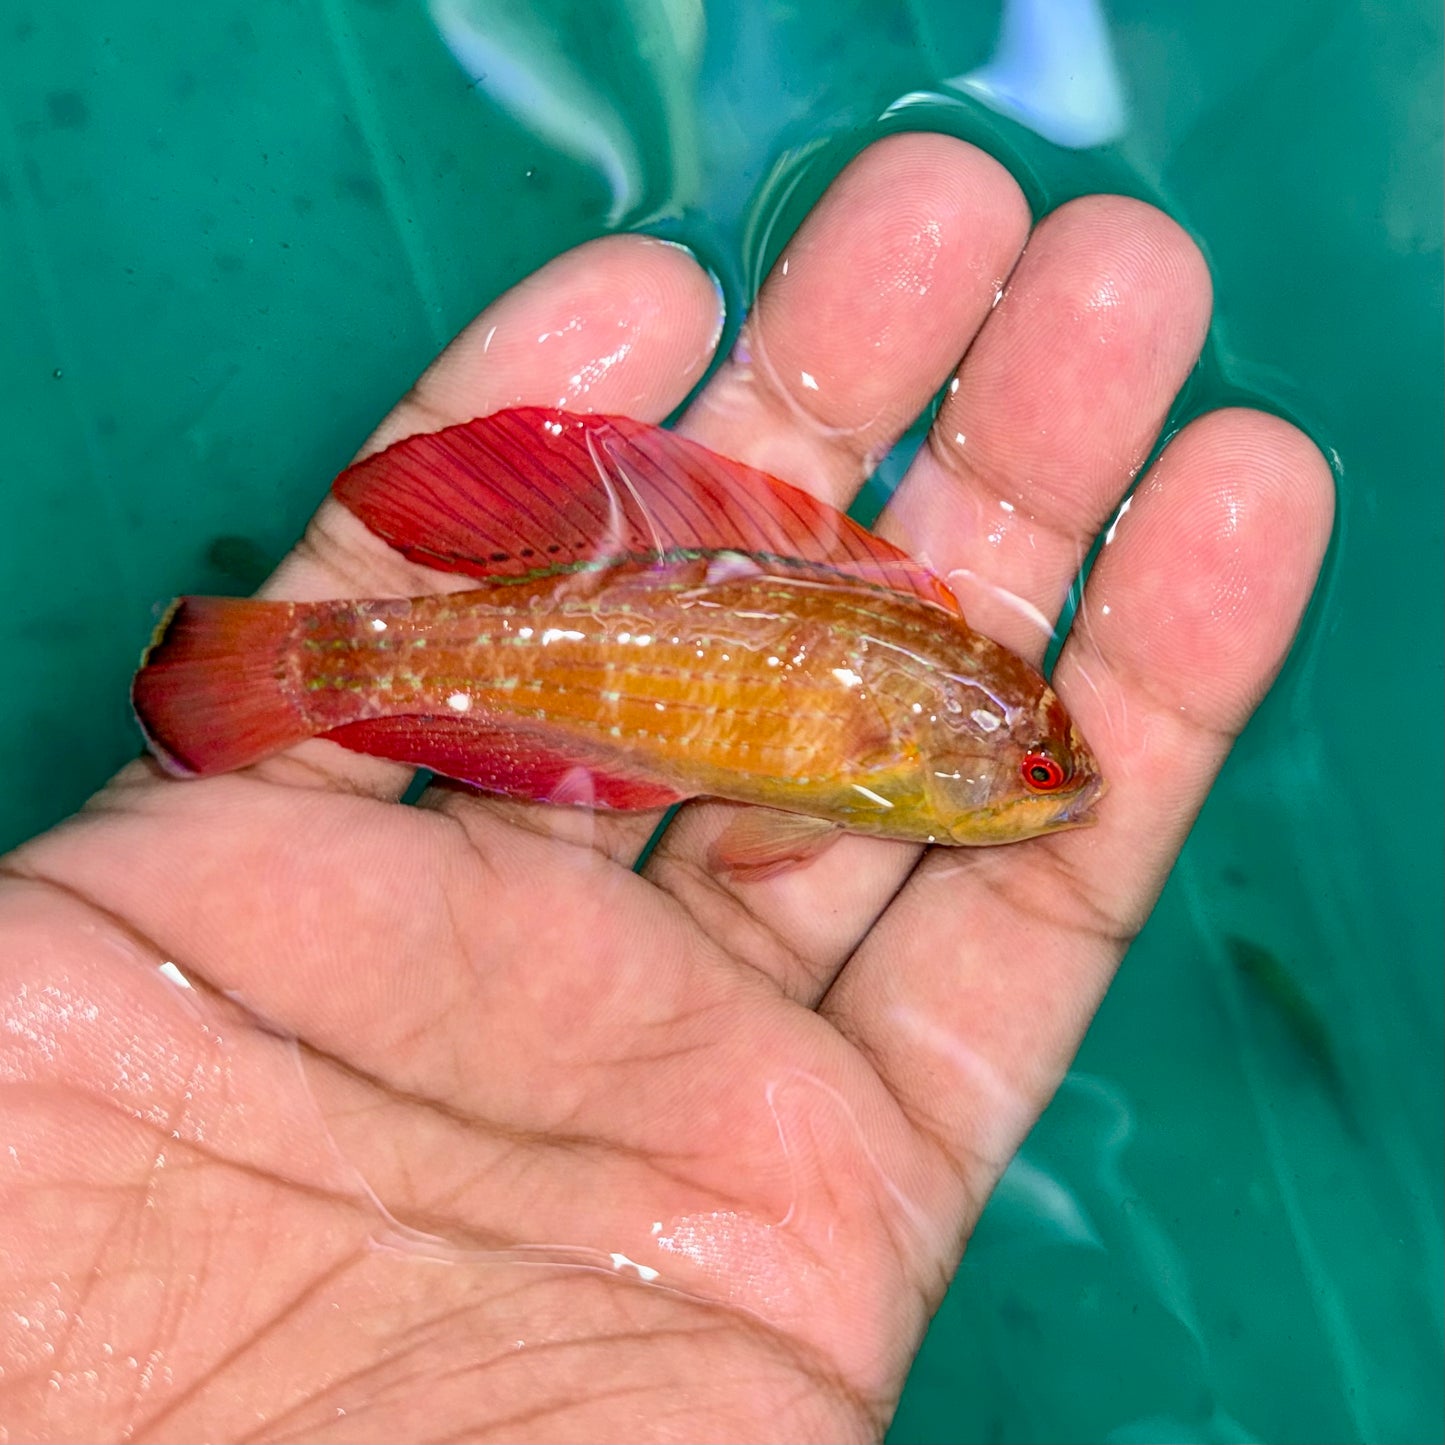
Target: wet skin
(450,1080)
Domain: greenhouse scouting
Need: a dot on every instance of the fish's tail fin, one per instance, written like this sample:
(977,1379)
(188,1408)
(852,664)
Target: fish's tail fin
(212,693)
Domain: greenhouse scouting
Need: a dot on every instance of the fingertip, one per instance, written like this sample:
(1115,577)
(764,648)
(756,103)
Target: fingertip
(911,197)
(1112,252)
(915,153)
(1200,588)
(623,323)
(1253,483)
(683,289)
(1144,230)
(866,311)
(1288,470)
(1062,395)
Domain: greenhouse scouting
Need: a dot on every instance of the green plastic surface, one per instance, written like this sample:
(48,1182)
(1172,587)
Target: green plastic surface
(231,235)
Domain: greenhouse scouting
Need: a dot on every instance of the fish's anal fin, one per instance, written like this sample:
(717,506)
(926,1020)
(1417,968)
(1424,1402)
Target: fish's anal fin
(763,842)
(503,760)
(531,491)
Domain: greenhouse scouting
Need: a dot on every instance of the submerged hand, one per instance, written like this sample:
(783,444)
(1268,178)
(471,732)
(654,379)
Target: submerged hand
(462,1128)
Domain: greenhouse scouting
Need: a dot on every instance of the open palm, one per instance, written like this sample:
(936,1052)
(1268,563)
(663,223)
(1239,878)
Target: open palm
(464,1130)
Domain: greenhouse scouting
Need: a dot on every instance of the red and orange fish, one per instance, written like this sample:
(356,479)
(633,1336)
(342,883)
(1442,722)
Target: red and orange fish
(651,622)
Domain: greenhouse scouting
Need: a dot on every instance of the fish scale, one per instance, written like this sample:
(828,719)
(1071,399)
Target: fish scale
(650,622)
(726,709)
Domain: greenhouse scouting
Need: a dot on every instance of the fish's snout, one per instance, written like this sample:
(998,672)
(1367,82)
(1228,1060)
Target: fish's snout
(1079,811)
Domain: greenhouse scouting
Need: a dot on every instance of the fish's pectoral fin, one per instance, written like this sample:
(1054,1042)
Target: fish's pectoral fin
(506,760)
(762,842)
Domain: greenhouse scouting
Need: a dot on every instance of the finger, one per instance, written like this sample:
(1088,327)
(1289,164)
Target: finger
(973,994)
(624,324)
(862,319)
(865,313)
(1054,411)
(1059,398)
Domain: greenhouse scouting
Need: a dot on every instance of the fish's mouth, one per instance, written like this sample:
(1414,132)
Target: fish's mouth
(1030,817)
(1079,811)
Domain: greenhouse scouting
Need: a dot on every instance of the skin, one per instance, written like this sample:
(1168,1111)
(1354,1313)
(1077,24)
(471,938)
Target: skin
(300,1199)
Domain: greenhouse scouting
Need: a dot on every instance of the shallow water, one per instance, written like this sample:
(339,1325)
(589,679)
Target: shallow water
(230,236)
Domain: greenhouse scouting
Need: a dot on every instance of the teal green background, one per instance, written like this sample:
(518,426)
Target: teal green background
(231,235)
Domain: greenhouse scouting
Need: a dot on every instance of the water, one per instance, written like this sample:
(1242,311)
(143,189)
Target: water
(230,236)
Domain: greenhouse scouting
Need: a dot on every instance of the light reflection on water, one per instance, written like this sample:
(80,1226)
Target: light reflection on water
(548,77)
(1053,71)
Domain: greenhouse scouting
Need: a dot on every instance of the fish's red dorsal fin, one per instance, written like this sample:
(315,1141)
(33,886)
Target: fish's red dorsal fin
(534,490)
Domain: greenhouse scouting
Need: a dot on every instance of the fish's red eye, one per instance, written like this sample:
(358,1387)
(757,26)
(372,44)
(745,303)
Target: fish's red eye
(1042,773)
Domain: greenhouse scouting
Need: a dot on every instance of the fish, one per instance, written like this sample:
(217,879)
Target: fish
(643,621)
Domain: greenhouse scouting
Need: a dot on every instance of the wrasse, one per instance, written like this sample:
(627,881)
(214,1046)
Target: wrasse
(650,622)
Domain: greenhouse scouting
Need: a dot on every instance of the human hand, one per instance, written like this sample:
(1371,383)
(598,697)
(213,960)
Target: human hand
(463,1129)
